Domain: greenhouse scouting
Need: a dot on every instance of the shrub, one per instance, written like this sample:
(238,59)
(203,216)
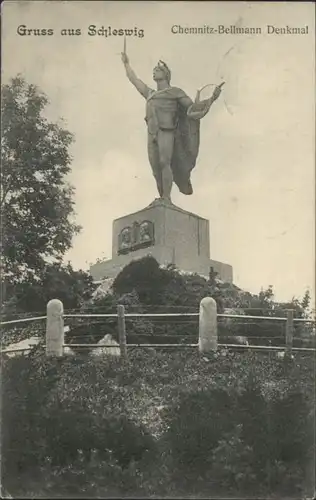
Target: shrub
(145,277)
(56,407)
(196,423)
(253,417)
(242,437)
(161,424)
(232,463)
(111,437)
(292,428)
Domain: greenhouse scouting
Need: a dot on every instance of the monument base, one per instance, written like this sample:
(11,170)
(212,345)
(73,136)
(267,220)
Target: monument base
(168,233)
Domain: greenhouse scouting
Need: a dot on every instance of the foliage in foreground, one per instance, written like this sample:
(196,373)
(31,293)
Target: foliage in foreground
(162,424)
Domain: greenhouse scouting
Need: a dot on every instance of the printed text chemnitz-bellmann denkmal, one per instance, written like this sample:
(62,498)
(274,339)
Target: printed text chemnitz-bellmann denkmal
(221,29)
(176,29)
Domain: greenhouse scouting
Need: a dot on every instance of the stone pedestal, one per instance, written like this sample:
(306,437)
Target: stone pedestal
(168,233)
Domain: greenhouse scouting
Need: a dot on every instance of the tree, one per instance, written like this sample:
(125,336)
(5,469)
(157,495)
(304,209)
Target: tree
(36,200)
(305,302)
(73,288)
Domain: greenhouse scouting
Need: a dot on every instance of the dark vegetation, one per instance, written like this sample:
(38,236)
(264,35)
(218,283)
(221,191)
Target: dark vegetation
(145,287)
(161,424)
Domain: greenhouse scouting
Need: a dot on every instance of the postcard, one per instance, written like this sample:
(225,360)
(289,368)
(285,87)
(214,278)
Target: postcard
(158,188)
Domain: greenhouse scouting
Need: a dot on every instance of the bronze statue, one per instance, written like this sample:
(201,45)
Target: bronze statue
(173,122)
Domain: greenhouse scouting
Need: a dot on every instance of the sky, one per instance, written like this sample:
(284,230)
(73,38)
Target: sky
(255,175)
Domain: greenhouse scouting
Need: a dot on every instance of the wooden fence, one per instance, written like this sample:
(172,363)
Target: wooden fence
(207,329)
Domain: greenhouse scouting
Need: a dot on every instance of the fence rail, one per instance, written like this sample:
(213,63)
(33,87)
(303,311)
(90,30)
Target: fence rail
(129,315)
(157,315)
(164,346)
(208,325)
(22,320)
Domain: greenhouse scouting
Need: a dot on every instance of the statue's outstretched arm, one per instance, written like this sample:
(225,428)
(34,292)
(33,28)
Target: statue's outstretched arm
(200,108)
(142,88)
(197,109)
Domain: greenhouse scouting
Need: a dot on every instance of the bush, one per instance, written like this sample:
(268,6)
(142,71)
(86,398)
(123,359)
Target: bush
(196,423)
(54,408)
(257,332)
(74,431)
(145,277)
(161,424)
(292,428)
(253,416)
(232,463)
(55,281)
(241,437)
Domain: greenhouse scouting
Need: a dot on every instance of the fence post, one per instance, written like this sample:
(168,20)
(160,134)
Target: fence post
(208,325)
(122,330)
(289,333)
(55,328)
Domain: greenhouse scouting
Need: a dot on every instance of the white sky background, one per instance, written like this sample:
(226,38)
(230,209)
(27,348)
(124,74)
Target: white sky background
(254,178)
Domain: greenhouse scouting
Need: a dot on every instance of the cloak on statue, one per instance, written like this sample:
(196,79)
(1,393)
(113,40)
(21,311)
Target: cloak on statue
(173,102)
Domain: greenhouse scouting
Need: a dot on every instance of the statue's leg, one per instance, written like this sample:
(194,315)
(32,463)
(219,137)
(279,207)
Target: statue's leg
(153,155)
(166,144)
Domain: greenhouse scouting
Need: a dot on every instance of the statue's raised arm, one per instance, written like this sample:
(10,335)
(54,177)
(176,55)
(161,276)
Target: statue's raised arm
(142,88)
(173,125)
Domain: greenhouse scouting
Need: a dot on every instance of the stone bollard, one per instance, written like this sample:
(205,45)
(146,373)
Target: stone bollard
(55,328)
(208,326)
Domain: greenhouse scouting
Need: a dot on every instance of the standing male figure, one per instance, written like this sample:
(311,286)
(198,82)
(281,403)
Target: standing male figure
(173,123)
